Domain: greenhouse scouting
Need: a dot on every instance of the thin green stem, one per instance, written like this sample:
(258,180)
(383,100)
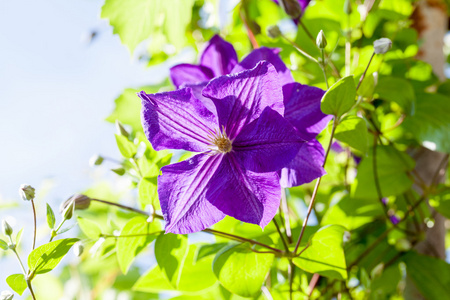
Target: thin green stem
(35,224)
(285,210)
(286,247)
(55,232)
(329,61)
(122,206)
(365,71)
(375,175)
(131,235)
(241,239)
(31,289)
(316,188)
(297,47)
(291,271)
(324,67)
(23,270)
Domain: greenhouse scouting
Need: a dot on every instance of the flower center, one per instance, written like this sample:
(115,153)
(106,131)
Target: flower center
(219,142)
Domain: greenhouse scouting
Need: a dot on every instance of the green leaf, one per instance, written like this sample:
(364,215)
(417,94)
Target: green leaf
(441,203)
(3,245)
(127,148)
(240,270)
(340,97)
(397,90)
(19,237)
(430,125)
(129,247)
(430,275)
(170,253)
(17,282)
(89,228)
(392,168)
(194,276)
(50,217)
(367,87)
(137,20)
(148,192)
(325,253)
(208,249)
(352,130)
(46,257)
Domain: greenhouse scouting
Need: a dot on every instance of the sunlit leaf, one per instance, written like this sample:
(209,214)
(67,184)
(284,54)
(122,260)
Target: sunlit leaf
(340,97)
(46,257)
(352,130)
(50,217)
(17,282)
(127,148)
(89,228)
(129,247)
(325,253)
(240,270)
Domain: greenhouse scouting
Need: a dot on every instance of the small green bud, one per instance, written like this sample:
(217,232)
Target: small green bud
(119,171)
(321,41)
(121,130)
(96,160)
(6,295)
(292,8)
(273,31)
(78,248)
(26,192)
(68,212)
(382,45)
(12,246)
(347,7)
(7,229)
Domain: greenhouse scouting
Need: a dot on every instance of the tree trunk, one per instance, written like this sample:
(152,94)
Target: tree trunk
(430,20)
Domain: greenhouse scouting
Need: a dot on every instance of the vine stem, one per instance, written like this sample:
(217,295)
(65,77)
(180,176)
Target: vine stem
(297,47)
(23,270)
(316,188)
(365,71)
(324,67)
(35,225)
(286,247)
(207,230)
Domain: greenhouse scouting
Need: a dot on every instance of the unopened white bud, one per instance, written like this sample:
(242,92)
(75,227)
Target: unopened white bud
(321,41)
(6,295)
(26,192)
(382,45)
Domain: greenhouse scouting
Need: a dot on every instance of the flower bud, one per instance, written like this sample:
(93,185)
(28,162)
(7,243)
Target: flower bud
(347,7)
(68,212)
(26,192)
(79,200)
(6,295)
(78,248)
(273,31)
(382,45)
(321,41)
(95,160)
(7,229)
(119,171)
(121,130)
(292,8)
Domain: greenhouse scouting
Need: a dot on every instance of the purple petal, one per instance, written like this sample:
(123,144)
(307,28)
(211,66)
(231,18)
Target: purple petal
(305,167)
(219,56)
(267,54)
(181,189)
(267,144)
(302,109)
(189,74)
(336,147)
(197,92)
(176,120)
(241,98)
(244,195)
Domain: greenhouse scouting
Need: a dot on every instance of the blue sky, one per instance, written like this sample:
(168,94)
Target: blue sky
(55,91)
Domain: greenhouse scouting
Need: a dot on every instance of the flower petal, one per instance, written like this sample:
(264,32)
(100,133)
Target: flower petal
(302,109)
(305,167)
(182,189)
(189,74)
(244,195)
(267,144)
(270,55)
(176,120)
(241,98)
(219,56)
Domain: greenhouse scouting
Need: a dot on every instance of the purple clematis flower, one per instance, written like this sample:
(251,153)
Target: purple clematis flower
(302,106)
(242,145)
